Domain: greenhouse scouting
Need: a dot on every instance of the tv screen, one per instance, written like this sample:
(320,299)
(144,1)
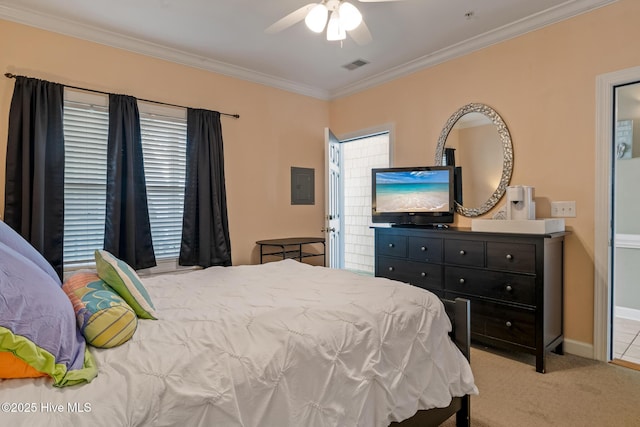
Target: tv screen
(414,195)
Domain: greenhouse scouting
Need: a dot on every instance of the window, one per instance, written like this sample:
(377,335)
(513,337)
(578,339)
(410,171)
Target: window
(164,135)
(164,147)
(86,123)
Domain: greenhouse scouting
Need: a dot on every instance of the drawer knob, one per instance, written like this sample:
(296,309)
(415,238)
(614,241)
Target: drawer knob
(391,245)
(391,269)
(509,256)
(423,274)
(461,281)
(462,252)
(423,248)
(508,288)
(508,324)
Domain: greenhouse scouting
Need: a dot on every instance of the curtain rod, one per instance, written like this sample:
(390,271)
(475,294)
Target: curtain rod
(235,116)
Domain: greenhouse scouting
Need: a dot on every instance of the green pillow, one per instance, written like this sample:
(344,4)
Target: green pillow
(124,280)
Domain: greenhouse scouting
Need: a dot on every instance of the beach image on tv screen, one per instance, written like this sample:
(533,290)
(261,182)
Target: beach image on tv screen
(412,191)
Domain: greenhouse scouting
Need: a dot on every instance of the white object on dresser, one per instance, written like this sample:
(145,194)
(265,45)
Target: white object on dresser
(520,204)
(526,226)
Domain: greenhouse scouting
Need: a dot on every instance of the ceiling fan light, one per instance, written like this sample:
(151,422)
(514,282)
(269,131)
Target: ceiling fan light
(335,30)
(350,16)
(316,19)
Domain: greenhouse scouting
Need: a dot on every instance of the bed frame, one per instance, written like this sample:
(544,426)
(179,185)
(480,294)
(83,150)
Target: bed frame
(459,313)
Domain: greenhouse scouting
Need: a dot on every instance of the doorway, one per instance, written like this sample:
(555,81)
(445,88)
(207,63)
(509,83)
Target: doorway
(606,240)
(358,154)
(626,229)
(359,157)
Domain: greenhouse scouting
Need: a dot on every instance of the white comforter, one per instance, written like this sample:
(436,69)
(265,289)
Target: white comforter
(280,344)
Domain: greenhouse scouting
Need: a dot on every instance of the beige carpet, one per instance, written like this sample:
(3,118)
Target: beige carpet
(574,392)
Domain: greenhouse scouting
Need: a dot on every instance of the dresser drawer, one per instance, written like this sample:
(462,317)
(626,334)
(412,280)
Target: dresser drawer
(511,256)
(423,275)
(491,284)
(464,252)
(503,322)
(391,245)
(425,249)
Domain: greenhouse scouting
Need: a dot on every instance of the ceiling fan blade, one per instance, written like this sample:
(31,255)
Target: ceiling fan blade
(289,20)
(361,34)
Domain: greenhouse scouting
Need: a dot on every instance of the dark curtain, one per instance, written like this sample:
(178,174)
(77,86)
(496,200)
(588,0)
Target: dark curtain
(205,229)
(34,185)
(449,156)
(127,233)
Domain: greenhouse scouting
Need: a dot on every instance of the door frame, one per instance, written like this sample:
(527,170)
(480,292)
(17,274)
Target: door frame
(603,237)
(389,128)
(383,128)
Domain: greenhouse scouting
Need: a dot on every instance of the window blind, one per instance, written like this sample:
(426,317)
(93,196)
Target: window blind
(164,146)
(85,180)
(164,135)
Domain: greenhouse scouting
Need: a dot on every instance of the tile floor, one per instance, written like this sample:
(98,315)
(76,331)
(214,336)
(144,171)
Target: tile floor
(626,340)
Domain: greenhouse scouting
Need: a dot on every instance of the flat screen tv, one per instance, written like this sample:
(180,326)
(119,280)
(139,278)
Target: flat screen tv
(421,195)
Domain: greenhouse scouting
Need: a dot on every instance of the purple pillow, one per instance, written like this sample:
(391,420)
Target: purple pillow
(15,241)
(38,323)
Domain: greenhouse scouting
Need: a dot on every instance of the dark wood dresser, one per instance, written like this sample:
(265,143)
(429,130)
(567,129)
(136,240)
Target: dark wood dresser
(514,281)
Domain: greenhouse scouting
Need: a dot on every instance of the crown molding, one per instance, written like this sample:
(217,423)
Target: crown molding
(559,13)
(74,29)
(113,39)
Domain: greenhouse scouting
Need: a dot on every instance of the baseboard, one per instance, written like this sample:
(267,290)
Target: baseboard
(627,313)
(583,349)
(579,348)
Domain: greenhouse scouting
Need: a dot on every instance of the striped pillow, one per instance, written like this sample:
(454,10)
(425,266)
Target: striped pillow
(104,318)
(125,281)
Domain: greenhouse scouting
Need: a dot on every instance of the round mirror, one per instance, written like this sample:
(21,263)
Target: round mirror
(476,138)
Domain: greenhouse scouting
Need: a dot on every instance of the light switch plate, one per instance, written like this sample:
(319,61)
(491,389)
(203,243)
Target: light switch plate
(563,209)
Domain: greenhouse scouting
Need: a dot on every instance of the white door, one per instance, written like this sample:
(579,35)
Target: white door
(333,198)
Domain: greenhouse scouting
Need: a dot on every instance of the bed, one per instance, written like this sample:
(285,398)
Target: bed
(279,344)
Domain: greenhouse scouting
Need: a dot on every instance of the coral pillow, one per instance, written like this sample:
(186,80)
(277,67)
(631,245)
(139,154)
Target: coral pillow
(104,318)
(37,323)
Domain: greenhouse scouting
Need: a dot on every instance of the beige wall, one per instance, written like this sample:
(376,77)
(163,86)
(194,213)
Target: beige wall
(479,153)
(543,86)
(276,129)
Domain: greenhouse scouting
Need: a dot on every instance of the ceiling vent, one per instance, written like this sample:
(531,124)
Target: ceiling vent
(355,64)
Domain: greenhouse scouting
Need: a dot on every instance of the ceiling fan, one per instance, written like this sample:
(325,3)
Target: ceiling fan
(338,16)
